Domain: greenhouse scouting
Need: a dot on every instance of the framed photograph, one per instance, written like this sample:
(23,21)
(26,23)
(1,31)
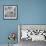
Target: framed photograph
(10,11)
(32,32)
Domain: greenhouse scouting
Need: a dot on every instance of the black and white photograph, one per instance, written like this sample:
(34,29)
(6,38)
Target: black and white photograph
(31,34)
(10,11)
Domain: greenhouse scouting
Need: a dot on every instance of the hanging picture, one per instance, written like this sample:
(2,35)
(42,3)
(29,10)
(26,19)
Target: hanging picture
(10,12)
(32,32)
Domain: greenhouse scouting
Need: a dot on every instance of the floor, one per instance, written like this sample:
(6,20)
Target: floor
(30,43)
(7,45)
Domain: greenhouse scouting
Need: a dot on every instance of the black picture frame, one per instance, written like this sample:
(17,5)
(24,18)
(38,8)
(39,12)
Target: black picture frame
(15,12)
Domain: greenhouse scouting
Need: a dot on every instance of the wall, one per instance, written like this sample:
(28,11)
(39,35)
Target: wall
(7,26)
(29,12)
(33,12)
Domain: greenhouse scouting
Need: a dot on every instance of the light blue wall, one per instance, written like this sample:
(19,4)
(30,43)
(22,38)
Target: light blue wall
(33,11)
(29,12)
(7,26)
